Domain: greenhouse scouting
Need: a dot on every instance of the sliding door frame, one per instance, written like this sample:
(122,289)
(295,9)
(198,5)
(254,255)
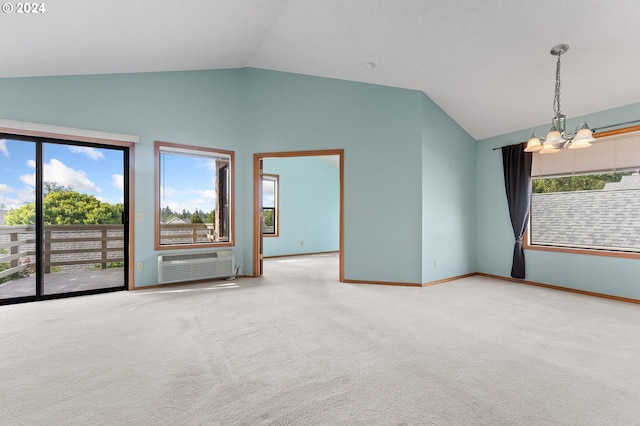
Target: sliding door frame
(41,137)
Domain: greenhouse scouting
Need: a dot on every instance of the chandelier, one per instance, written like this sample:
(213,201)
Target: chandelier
(558,138)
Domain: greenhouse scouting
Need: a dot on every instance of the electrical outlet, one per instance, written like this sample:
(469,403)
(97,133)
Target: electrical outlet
(435,262)
(301,242)
(140,216)
(140,266)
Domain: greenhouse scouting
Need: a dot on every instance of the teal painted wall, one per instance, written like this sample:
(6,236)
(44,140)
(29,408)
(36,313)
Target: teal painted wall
(448,196)
(408,178)
(309,206)
(494,243)
(256,111)
(379,129)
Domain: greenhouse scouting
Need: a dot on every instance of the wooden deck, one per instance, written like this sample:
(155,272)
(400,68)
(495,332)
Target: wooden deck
(64,282)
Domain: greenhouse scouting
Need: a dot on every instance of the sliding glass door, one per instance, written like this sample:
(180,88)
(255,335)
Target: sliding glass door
(63,227)
(17,219)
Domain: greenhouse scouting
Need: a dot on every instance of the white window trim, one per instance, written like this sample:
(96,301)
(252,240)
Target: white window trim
(39,129)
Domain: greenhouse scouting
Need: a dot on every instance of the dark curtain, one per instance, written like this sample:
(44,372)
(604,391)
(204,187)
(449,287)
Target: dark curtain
(517,183)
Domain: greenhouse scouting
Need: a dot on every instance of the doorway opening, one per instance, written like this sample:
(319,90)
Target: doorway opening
(271,213)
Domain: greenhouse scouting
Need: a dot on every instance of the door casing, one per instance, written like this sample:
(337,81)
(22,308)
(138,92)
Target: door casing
(257,202)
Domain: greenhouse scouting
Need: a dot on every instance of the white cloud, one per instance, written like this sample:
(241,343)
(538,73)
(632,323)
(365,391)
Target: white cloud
(173,205)
(28,179)
(185,200)
(25,195)
(56,171)
(197,203)
(3,147)
(268,188)
(66,176)
(269,201)
(118,181)
(9,203)
(166,192)
(209,194)
(207,164)
(92,153)
(5,189)
(189,199)
(201,203)
(206,200)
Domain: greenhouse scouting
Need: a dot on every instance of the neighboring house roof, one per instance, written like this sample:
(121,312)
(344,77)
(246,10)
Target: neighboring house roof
(177,220)
(627,182)
(602,219)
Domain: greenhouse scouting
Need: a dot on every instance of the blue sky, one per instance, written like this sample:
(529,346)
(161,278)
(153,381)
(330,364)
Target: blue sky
(93,171)
(190,191)
(268,193)
(99,172)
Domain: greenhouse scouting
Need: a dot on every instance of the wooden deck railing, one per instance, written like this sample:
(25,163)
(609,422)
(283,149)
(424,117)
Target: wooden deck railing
(10,244)
(64,245)
(186,233)
(72,245)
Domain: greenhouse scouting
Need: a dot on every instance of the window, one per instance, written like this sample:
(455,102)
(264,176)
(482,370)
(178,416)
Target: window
(194,187)
(270,205)
(589,199)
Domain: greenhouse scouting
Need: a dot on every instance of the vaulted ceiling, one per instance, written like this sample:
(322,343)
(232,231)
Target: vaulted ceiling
(485,62)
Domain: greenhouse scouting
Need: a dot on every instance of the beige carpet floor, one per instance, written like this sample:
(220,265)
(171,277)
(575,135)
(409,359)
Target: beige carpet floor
(298,348)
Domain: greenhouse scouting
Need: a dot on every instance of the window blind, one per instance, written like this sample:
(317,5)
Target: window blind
(609,153)
(199,153)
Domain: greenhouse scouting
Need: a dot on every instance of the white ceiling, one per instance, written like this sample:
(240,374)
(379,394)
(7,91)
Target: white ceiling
(485,62)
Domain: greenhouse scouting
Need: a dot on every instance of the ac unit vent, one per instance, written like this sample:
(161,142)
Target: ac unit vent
(174,268)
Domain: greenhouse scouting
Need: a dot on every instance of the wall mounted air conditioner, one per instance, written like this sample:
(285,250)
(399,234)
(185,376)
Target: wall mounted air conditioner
(174,268)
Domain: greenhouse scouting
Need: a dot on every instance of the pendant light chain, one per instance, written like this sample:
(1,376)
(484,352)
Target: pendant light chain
(556,99)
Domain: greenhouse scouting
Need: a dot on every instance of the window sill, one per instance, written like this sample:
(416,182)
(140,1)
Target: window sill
(588,252)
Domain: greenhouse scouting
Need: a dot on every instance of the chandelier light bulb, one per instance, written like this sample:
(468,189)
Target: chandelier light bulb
(533,145)
(553,138)
(549,148)
(583,139)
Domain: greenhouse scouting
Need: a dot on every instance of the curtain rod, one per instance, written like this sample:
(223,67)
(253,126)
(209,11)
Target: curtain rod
(595,129)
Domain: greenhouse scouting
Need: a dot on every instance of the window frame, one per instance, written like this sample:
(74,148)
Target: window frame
(276,207)
(527,245)
(205,151)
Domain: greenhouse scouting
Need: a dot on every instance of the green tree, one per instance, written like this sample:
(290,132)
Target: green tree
(55,187)
(23,215)
(196,218)
(269,218)
(575,183)
(166,214)
(64,206)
